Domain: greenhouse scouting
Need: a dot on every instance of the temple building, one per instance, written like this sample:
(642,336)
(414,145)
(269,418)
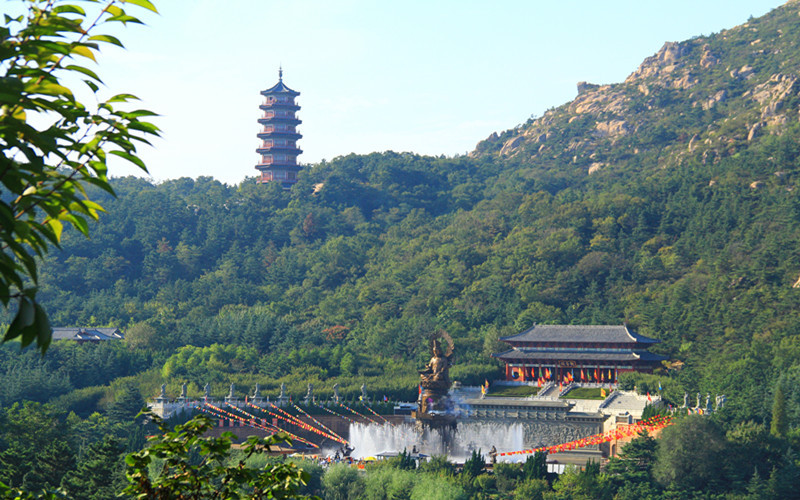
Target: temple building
(279,135)
(81,335)
(579,353)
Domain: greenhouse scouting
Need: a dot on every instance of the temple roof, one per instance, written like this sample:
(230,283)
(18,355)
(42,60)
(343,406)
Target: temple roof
(612,334)
(587,355)
(280,87)
(95,334)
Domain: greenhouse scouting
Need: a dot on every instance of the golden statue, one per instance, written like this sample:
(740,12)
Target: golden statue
(435,375)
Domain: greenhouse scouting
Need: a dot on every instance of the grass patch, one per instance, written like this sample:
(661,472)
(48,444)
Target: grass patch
(585,393)
(512,391)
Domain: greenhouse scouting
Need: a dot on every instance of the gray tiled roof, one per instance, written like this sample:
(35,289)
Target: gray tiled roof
(580,333)
(78,333)
(587,355)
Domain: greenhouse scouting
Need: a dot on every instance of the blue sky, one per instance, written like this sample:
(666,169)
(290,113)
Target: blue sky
(431,77)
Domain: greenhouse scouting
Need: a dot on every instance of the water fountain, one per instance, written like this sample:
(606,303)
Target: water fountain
(455,422)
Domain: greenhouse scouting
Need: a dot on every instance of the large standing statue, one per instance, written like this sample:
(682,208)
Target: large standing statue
(183,390)
(685,400)
(336,393)
(207,391)
(364,397)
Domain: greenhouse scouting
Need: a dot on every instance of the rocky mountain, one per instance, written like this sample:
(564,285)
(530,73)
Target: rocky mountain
(708,97)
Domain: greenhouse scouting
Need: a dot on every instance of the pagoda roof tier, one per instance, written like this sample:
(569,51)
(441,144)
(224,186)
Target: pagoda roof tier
(280,119)
(279,88)
(282,166)
(279,149)
(279,105)
(279,133)
(604,334)
(518,355)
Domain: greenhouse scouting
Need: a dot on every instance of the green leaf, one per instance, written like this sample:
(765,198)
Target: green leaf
(84,51)
(48,88)
(79,223)
(131,158)
(23,319)
(137,113)
(56,226)
(86,71)
(91,85)
(124,19)
(114,10)
(44,332)
(123,98)
(108,39)
(142,3)
(72,9)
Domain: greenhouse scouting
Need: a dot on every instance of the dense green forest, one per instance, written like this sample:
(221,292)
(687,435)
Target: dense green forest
(668,202)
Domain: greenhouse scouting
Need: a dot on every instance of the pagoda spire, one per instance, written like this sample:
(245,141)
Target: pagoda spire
(279,135)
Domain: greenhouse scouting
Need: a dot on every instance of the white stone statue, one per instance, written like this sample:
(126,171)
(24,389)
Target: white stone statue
(309,395)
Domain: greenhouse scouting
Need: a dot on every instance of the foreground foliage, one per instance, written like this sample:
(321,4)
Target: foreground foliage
(191,466)
(52,146)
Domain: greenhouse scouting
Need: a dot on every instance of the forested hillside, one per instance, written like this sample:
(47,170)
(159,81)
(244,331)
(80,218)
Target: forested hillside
(667,201)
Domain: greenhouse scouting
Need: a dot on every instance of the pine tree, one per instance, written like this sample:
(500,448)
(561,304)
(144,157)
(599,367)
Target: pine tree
(100,475)
(475,464)
(126,405)
(51,464)
(535,467)
(779,424)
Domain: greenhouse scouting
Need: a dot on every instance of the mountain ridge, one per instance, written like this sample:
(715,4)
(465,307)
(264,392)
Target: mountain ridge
(730,88)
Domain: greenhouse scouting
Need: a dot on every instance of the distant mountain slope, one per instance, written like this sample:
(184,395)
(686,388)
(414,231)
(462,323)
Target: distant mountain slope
(709,97)
(668,201)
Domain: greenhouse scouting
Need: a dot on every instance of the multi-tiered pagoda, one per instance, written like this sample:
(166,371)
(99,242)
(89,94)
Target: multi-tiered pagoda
(279,136)
(580,353)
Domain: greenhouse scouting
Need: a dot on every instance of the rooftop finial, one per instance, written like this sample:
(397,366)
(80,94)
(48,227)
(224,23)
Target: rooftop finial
(280,73)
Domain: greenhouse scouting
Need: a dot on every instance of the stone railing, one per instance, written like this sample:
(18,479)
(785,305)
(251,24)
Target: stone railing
(568,388)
